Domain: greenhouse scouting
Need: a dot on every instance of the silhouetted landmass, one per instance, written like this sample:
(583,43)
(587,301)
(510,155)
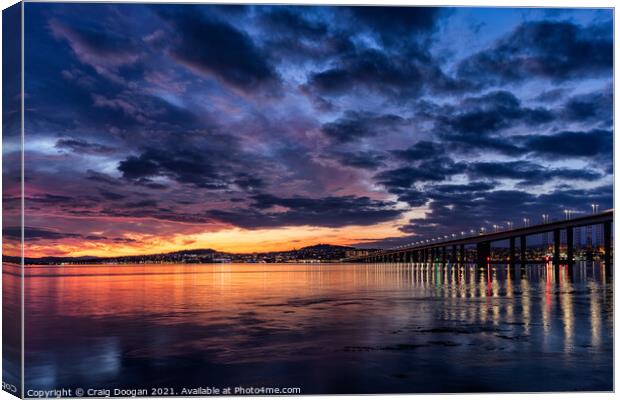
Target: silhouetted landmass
(316,253)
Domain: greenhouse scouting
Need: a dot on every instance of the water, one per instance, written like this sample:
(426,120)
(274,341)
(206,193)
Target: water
(322,328)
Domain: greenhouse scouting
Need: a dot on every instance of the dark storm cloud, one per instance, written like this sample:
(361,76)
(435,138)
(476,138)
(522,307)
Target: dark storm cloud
(294,34)
(37,234)
(84,147)
(329,211)
(209,161)
(372,69)
(461,189)
(494,111)
(49,199)
(41,233)
(361,159)
(528,173)
(545,49)
(108,195)
(215,48)
(190,166)
(290,20)
(425,162)
(571,144)
(100,177)
(420,151)
(432,170)
(358,125)
(419,197)
(395,25)
(594,107)
(97,46)
(396,76)
(477,122)
(32,233)
(141,204)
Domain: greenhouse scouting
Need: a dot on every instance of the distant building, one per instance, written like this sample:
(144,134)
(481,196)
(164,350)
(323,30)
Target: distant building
(357,252)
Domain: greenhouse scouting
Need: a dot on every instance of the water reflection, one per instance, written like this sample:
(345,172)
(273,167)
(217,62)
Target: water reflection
(340,328)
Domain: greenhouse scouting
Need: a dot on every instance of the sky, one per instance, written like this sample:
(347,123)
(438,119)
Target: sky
(154,128)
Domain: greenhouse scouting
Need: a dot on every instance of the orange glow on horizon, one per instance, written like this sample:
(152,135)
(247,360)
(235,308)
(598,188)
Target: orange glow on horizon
(232,240)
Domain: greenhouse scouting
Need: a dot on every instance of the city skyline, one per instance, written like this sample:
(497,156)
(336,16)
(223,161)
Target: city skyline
(155,128)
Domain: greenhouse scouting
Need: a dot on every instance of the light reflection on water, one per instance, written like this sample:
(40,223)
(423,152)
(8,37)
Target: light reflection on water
(340,328)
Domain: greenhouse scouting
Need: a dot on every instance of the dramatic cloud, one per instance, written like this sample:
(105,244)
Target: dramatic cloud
(83,147)
(395,24)
(331,212)
(395,76)
(477,121)
(355,126)
(102,49)
(527,173)
(363,159)
(556,50)
(594,107)
(215,48)
(571,144)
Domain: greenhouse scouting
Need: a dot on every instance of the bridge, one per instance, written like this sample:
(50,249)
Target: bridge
(437,250)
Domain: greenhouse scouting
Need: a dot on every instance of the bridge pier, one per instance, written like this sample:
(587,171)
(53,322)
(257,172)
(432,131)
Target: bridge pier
(556,246)
(444,256)
(569,245)
(454,260)
(607,244)
(462,251)
(512,251)
(523,248)
(483,252)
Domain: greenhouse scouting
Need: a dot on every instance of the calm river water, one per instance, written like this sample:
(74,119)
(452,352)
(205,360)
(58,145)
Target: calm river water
(340,328)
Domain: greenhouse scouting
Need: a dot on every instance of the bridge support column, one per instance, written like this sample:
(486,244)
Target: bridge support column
(569,245)
(512,251)
(444,255)
(462,251)
(556,246)
(607,244)
(522,249)
(483,252)
(453,254)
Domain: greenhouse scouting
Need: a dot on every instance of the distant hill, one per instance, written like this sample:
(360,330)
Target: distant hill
(318,252)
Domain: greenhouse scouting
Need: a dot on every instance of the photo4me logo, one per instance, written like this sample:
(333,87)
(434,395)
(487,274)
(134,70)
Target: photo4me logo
(9,387)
